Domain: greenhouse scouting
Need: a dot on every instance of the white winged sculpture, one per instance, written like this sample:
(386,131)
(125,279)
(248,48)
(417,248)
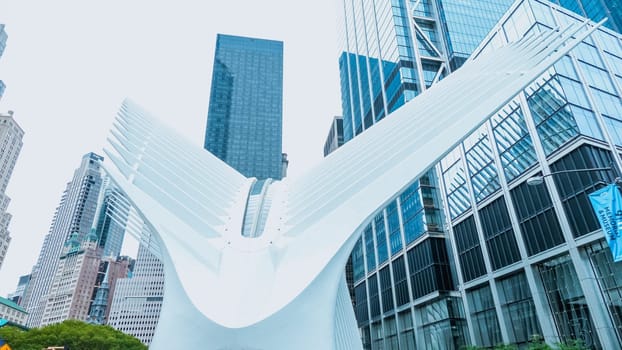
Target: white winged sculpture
(259,265)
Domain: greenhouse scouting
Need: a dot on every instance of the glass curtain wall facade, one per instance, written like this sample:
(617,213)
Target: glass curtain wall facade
(596,10)
(533,259)
(468,253)
(390,52)
(245,116)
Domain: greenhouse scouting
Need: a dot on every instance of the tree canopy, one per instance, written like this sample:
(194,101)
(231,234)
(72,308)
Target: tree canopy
(75,335)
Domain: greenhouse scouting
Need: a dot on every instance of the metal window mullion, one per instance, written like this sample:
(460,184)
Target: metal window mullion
(414,46)
(485,255)
(415,323)
(456,257)
(383,90)
(543,313)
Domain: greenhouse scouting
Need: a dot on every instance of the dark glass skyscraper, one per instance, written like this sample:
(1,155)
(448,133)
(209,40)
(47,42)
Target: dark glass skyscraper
(244,121)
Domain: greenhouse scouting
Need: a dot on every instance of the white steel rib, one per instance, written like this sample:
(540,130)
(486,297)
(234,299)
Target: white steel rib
(282,287)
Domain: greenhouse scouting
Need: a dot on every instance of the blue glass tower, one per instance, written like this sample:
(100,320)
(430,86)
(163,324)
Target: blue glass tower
(596,10)
(391,51)
(244,121)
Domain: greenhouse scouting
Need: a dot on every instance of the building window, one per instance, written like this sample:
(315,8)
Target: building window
(377,336)
(519,311)
(609,275)
(395,236)
(552,115)
(480,163)
(381,238)
(567,301)
(455,184)
(387,289)
(499,235)
(513,141)
(469,250)
(366,338)
(536,215)
(407,331)
(443,325)
(374,298)
(429,267)
(401,282)
(484,317)
(390,333)
(370,252)
(360,304)
(575,187)
(358,263)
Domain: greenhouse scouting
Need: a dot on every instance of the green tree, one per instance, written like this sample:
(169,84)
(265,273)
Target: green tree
(77,335)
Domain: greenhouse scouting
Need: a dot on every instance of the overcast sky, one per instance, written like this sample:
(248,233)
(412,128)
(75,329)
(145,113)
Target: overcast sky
(69,64)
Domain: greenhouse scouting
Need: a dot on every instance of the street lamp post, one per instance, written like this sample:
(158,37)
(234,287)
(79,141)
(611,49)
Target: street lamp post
(539,179)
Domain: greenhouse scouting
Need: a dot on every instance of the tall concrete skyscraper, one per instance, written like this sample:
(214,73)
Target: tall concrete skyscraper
(469,254)
(244,121)
(75,214)
(11,140)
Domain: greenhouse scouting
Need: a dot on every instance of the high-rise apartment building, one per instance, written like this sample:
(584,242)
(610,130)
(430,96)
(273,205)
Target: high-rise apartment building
(244,121)
(75,214)
(469,253)
(137,300)
(11,144)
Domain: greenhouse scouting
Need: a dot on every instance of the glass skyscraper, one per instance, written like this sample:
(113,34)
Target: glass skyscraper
(596,10)
(469,254)
(244,123)
(391,51)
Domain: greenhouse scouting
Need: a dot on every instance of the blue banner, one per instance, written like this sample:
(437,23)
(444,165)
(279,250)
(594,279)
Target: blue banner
(607,204)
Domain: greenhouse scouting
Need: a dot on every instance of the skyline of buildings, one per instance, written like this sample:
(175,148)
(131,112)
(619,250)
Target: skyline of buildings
(245,116)
(427,273)
(568,120)
(74,214)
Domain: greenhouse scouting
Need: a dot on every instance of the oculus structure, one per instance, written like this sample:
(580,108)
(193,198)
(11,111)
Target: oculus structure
(259,264)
